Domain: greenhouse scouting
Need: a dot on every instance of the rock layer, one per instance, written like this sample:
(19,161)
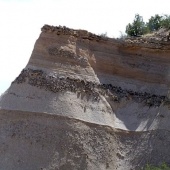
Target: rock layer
(88,102)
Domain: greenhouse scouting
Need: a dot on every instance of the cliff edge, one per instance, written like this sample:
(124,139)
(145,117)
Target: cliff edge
(88,102)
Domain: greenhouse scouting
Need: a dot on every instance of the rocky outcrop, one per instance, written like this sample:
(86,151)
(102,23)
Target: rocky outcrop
(88,102)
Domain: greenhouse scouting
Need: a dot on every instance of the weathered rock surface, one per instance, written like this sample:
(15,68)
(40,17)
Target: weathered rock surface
(88,102)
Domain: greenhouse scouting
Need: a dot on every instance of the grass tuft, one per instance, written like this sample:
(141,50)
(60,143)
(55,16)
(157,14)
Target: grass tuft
(163,166)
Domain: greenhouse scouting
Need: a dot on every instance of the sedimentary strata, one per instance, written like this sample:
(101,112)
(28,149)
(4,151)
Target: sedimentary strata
(88,102)
(40,79)
(57,52)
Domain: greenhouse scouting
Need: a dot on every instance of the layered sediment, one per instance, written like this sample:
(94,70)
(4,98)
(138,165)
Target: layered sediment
(88,102)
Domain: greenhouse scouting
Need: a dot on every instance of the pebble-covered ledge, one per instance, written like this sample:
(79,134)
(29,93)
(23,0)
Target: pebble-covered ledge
(156,43)
(40,79)
(59,30)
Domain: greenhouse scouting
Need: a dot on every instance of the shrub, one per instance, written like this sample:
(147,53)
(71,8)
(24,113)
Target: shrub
(166,21)
(163,166)
(104,35)
(137,28)
(122,36)
(155,23)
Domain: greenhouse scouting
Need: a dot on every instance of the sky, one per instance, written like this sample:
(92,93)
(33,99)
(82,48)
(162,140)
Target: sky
(21,22)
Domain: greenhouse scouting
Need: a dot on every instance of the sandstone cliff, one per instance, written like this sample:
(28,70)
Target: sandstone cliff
(88,102)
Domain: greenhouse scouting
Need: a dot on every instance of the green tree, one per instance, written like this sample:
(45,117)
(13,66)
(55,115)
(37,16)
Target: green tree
(138,27)
(166,21)
(155,23)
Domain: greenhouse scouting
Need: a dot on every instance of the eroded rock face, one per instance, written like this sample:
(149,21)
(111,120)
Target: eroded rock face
(88,102)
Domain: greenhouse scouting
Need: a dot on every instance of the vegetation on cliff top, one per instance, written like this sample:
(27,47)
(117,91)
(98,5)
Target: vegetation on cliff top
(138,27)
(163,166)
